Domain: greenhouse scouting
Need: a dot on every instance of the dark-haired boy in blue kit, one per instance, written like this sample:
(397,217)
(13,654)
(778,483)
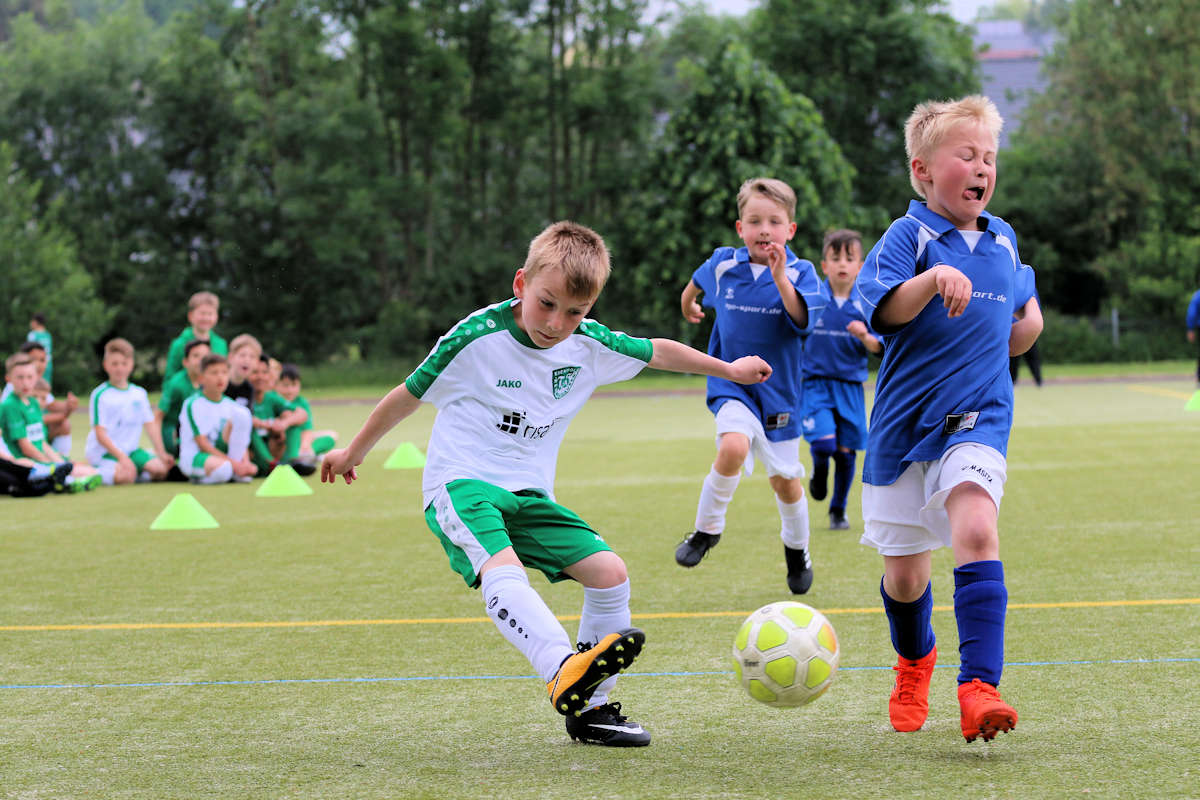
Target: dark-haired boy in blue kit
(835,367)
(943,285)
(765,299)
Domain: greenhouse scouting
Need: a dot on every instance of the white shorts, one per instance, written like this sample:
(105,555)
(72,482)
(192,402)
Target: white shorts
(909,516)
(780,458)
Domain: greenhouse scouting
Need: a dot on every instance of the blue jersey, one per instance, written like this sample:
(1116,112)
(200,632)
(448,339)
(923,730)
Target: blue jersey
(1193,312)
(832,351)
(751,320)
(942,381)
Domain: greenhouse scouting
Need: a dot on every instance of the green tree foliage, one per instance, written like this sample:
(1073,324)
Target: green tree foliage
(737,121)
(866,65)
(42,274)
(1102,180)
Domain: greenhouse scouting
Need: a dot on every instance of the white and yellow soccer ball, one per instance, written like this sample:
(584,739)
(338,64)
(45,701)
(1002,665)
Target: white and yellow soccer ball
(786,654)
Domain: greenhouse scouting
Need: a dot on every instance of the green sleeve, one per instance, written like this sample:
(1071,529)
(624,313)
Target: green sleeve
(174,357)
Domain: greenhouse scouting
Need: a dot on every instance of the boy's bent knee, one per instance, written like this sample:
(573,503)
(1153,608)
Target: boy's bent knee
(974,532)
(789,490)
(601,570)
(732,450)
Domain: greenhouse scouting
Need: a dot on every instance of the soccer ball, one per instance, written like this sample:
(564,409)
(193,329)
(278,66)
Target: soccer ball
(786,654)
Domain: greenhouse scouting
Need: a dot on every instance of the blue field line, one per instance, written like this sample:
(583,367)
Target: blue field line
(425,678)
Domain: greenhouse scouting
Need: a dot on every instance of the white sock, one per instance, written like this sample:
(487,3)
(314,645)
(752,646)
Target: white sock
(62,444)
(715,496)
(107,469)
(794,523)
(524,619)
(239,435)
(222,474)
(605,611)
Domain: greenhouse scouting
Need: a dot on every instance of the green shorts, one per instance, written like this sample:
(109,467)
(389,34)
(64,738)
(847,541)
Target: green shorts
(139,457)
(475,520)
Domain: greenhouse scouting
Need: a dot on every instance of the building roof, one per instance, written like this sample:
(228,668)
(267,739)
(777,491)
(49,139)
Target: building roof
(1010,57)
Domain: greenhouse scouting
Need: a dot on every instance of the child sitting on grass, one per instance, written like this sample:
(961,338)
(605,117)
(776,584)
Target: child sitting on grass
(120,411)
(214,431)
(24,432)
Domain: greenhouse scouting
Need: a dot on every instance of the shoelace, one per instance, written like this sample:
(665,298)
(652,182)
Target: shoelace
(906,683)
(612,709)
(978,687)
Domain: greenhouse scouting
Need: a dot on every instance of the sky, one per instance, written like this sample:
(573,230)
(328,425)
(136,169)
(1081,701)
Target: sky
(962,10)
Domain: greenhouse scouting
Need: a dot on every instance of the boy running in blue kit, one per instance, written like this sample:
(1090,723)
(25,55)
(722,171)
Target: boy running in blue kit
(835,367)
(507,381)
(942,285)
(765,299)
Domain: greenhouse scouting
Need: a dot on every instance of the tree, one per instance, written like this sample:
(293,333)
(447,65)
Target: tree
(737,121)
(865,66)
(1104,173)
(42,273)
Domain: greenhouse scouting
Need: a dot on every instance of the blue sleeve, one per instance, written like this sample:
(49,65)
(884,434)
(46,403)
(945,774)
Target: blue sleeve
(891,262)
(1024,286)
(705,275)
(1193,312)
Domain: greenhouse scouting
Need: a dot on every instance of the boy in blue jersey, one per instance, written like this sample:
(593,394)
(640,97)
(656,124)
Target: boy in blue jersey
(835,367)
(942,285)
(1193,327)
(765,299)
(507,381)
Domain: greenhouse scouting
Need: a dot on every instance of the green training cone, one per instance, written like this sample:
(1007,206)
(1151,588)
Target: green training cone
(406,456)
(1194,403)
(183,513)
(283,482)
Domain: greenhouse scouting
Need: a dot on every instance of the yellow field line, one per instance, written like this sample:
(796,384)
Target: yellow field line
(336,623)
(1163,392)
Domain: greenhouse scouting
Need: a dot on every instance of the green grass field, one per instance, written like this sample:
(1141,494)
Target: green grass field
(319,646)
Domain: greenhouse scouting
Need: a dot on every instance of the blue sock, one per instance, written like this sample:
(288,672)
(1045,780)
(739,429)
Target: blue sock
(843,476)
(911,624)
(41,471)
(980,602)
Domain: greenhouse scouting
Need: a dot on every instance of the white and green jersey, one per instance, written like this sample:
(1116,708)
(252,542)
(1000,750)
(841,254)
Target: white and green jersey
(202,417)
(504,403)
(123,413)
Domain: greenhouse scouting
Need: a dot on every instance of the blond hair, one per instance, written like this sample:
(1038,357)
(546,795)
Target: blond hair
(17,360)
(119,346)
(576,250)
(773,189)
(245,340)
(203,299)
(931,121)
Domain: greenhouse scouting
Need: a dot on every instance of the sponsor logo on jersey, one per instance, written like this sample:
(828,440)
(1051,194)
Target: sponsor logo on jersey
(956,423)
(729,293)
(511,422)
(562,379)
(508,383)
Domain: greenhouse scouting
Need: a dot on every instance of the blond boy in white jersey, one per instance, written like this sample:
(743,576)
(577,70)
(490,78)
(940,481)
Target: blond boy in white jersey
(507,381)
(119,412)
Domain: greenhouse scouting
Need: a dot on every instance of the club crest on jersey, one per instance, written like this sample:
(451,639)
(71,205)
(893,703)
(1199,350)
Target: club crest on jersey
(562,379)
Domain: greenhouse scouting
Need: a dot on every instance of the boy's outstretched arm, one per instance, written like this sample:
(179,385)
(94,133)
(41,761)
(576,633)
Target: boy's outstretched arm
(395,406)
(675,356)
(1025,330)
